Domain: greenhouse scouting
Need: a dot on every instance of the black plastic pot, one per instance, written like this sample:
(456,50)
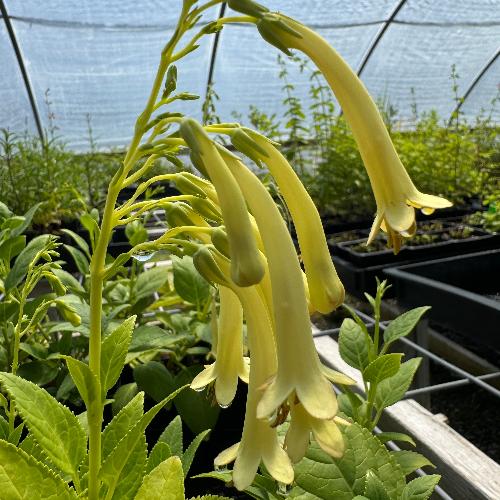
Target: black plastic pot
(464,292)
(445,246)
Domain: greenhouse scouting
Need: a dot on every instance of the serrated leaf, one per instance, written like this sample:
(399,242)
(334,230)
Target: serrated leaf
(392,389)
(172,435)
(382,368)
(113,353)
(188,282)
(132,474)
(20,267)
(160,452)
(21,476)
(55,427)
(188,455)
(116,461)
(165,482)
(128,416)
(385,437)
(353,344)
(420,488)
(342,479)
(374,489)
(410,461)
(85,380)
(404,324)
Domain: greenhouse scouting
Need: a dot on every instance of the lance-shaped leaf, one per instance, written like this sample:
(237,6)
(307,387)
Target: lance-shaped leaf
(410,461)
(354,344)
(55,427)
(21,476)
(404,324)
(85,381)
(382,367)
(165,482)
(113,353)
(420,488)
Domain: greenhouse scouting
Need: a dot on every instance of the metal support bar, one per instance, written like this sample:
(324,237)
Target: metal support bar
(476,80)
(379,36)
(22,68)
(213,55)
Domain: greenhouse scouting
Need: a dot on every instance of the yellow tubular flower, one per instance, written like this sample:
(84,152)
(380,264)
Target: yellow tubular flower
(394,191)
(246,265)
(229,364)
(325,432)
(259,441)
(325,289)
(299,369)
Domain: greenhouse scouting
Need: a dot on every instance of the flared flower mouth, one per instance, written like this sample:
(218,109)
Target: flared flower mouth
(396,216)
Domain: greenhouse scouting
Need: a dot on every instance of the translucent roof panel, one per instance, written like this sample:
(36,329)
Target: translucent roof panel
(15,111)
(246,69)
(99,58)
(103,73)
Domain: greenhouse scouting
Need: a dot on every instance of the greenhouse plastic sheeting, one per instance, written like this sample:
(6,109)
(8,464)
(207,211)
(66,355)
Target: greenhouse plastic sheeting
(97,59)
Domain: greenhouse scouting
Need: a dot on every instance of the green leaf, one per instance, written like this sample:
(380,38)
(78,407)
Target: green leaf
(116,430)
(172,435)
(85,380)
(78,240)
(11,248)
(404,324)
(382,367)
(154,379)
(38,371)
(28,216)
(68,280)
(165,482)
(385,437)
(353,344)
(210,497)
(188,282)
(374,489)
(194,408)
(21,476)
(20,268)
(122,396)
(117,460)
(410,461)
(113,353)
(420,488)
(55,427)
(159,453)
(132,474)
(188,456)
(81,261)
(392,389)
(147,337)
(342,479)
(150,282)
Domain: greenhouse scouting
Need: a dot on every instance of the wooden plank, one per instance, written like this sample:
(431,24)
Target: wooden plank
(467,473)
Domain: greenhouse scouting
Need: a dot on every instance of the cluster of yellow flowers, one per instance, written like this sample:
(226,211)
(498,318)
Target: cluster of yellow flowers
(248,253)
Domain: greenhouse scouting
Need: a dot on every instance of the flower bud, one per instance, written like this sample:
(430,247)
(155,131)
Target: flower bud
(220,241)
(205,264)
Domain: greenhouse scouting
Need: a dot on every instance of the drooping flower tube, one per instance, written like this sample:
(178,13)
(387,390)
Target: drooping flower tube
(246,264)
(229,364)
(259,441)
(325,289)
(395,194)
(299,368)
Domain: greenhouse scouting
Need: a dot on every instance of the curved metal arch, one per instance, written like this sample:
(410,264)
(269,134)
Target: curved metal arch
(213,55)
(380,34)
(476,80)
(22,69)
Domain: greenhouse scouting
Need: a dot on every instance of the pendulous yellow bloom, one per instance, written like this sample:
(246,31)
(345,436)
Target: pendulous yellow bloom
(299,369)
(259,441)
(325,432)
(246,265)
(229,364)
(394,192)
(325,289)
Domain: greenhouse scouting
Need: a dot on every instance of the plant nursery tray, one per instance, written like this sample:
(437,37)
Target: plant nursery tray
(443,244)
(464,292)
